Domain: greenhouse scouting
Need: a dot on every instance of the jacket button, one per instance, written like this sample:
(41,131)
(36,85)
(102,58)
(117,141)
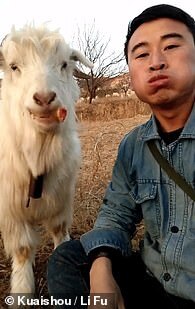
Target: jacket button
(174,229)
(166,276)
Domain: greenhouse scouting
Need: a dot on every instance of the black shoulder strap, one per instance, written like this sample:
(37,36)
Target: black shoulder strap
(171,172)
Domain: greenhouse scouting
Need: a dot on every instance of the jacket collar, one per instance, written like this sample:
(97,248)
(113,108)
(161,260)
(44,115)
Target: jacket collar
(150,129)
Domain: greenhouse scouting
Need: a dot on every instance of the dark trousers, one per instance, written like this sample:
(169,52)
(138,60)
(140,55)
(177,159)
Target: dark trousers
(68,278)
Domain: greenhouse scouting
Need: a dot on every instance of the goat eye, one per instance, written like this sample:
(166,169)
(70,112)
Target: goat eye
(13,67)
(64,65)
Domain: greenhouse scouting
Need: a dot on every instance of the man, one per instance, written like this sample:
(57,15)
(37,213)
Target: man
(160,51)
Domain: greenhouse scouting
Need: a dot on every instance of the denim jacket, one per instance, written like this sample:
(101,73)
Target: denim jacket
(140,189)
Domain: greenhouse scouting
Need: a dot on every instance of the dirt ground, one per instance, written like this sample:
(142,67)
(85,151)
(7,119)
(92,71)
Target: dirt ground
(99,141)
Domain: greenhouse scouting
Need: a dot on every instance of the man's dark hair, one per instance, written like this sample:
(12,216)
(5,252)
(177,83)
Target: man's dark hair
(159,11)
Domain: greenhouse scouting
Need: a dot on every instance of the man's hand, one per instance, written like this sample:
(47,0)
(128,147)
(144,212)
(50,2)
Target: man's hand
(102,281)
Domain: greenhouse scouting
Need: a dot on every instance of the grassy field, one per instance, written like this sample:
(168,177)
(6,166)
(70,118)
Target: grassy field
(100,138)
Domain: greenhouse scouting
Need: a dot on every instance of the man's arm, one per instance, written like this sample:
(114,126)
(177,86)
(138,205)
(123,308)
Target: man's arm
(102,281)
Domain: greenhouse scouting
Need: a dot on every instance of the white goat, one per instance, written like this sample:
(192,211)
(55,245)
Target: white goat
(39,144)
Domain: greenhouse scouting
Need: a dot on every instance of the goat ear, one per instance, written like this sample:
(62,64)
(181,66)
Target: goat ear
(1,59)
(77,56)
(79,74)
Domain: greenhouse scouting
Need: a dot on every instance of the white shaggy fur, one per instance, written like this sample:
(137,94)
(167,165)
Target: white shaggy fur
(38,79)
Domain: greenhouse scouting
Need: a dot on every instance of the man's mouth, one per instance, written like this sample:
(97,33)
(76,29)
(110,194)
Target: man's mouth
(157,78)
(158,81)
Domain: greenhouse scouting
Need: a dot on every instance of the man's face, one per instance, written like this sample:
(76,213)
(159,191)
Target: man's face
(161,57)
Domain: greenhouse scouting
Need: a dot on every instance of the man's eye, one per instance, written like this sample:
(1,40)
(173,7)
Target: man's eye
(171,46)
(142,55)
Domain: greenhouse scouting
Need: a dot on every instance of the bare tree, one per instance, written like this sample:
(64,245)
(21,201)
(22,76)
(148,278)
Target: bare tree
(95,48)
(125,83)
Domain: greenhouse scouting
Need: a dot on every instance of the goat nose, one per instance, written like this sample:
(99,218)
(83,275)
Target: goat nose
(41,98)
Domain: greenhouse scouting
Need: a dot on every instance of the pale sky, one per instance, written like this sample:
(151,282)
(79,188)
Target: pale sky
(111,17)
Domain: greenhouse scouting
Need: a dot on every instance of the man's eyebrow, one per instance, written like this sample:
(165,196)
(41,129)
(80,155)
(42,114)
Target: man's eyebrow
(163,37)
(172,35)
(141,44)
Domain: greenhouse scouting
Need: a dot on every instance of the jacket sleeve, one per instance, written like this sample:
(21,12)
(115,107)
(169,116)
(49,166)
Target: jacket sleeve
(118,215)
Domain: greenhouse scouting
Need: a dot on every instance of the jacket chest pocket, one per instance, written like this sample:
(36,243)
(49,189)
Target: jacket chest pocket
(145,195)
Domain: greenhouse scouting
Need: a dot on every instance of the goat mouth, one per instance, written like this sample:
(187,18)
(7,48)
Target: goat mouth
(45,118)
(57,115)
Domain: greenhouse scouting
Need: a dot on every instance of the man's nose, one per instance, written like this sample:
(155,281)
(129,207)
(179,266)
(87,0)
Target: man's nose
(157,61)
(156,67)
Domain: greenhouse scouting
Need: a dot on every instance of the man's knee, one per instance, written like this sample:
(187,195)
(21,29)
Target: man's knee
(68,269)
(68,253)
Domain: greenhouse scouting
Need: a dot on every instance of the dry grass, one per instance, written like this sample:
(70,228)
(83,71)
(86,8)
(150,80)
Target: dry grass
(100,140)
(112,108)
